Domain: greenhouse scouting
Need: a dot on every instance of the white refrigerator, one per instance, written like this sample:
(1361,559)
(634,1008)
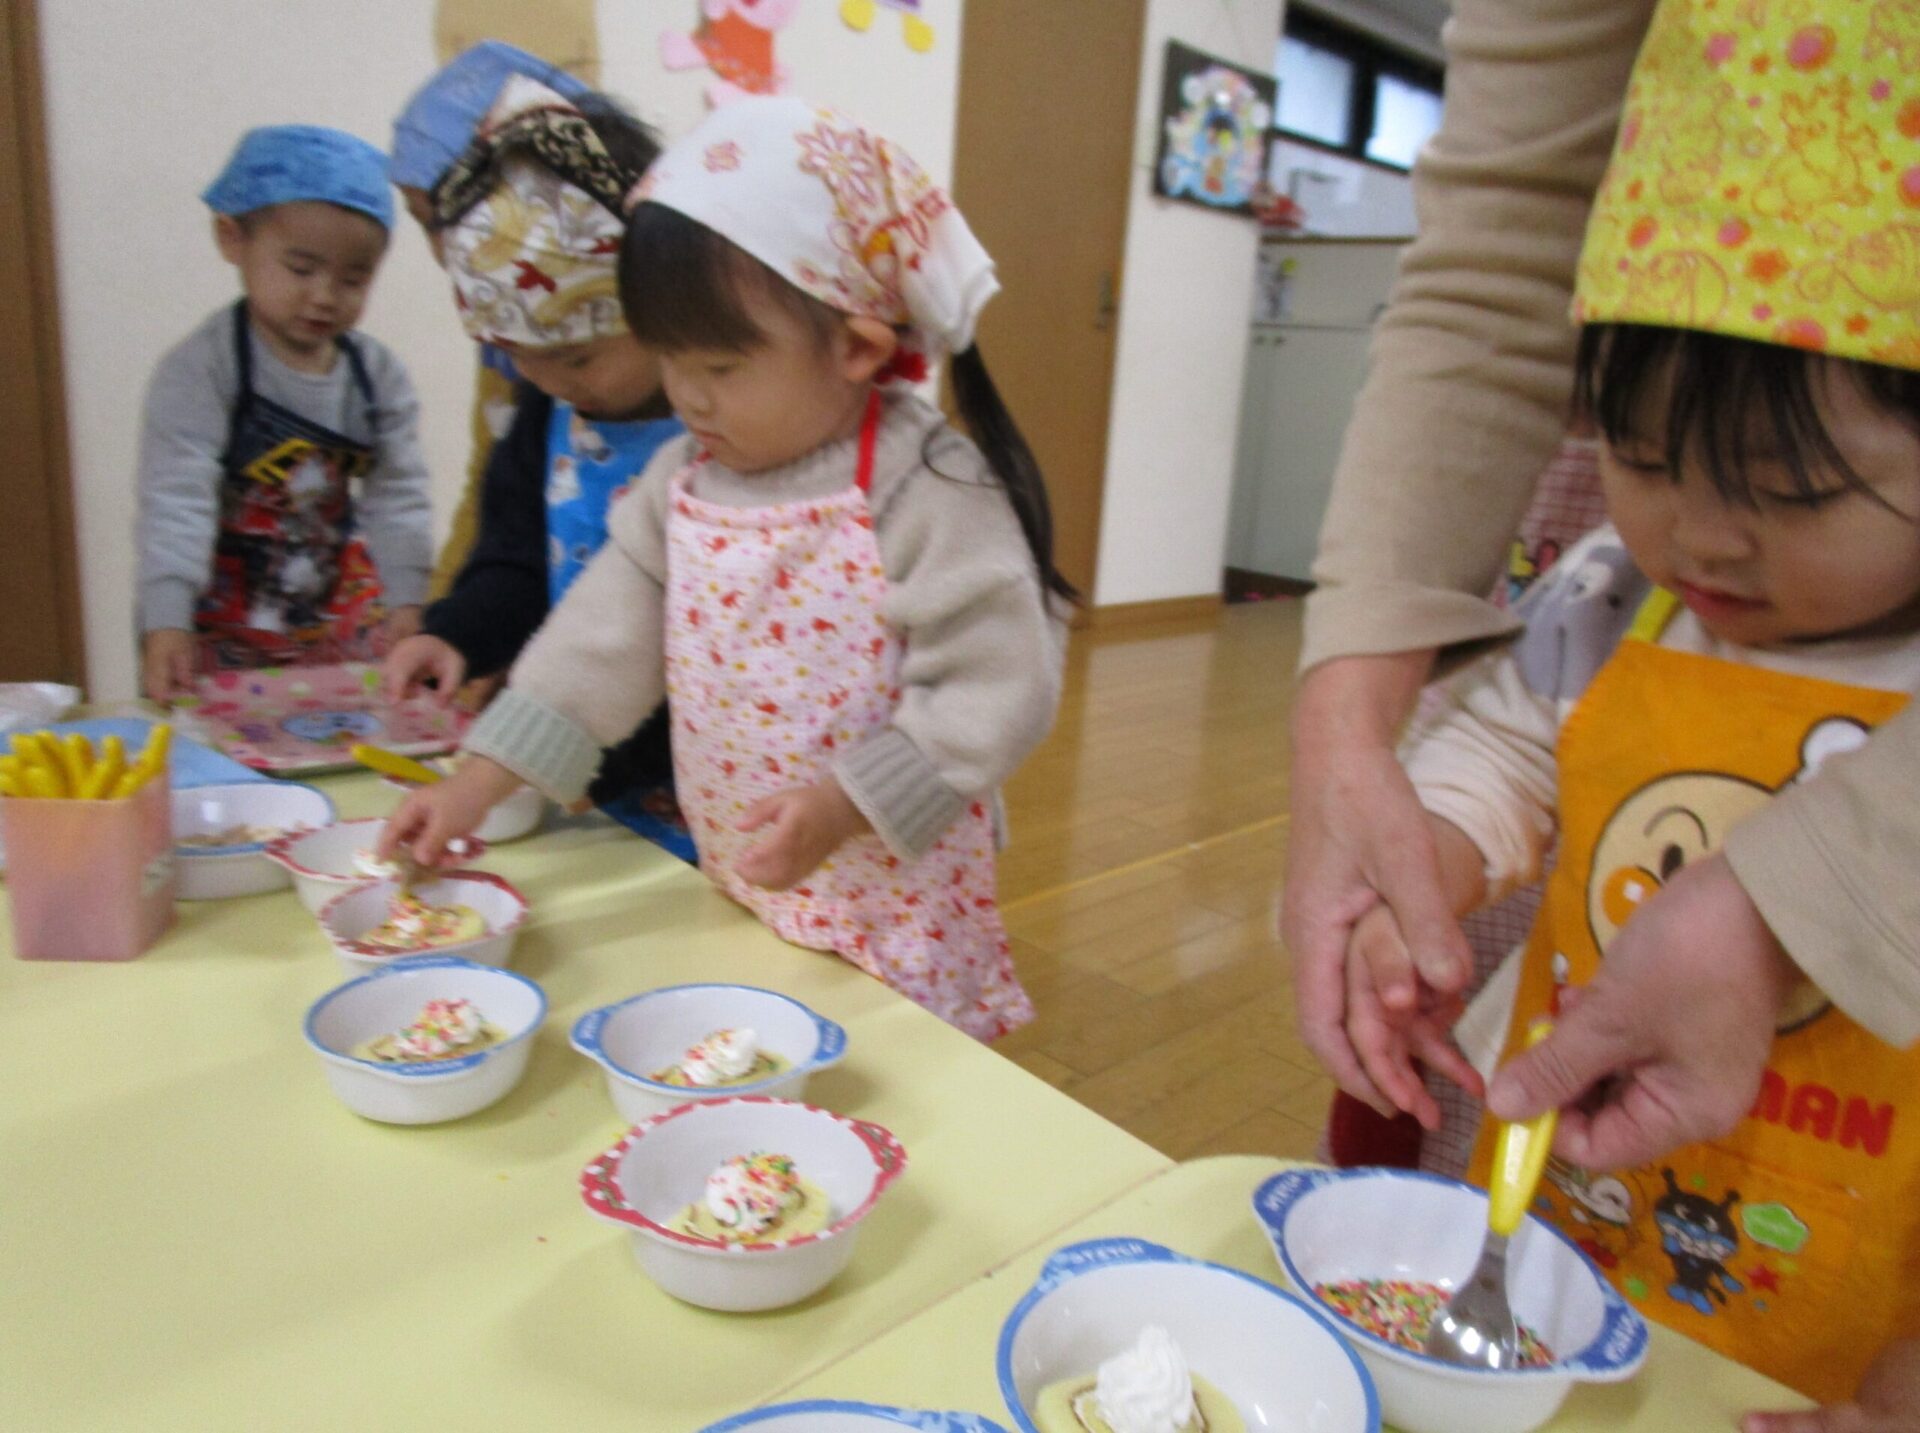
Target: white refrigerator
(1313,315)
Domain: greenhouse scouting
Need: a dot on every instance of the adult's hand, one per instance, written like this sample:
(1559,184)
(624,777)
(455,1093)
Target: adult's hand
(1359,838)
(1888,1401)
(1667,1044)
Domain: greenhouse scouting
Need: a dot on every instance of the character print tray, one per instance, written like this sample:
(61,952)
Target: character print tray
(308,719)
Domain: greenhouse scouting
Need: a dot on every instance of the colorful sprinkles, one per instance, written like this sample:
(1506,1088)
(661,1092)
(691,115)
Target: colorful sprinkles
(1401,1311)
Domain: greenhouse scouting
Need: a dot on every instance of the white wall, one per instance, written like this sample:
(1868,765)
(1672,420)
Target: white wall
(1182,349)
(146,97)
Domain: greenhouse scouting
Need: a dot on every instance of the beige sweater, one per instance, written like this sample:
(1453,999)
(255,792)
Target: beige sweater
(981,673)
(1466,400)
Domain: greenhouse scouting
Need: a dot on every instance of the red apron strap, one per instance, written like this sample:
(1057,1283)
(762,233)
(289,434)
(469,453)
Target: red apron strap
(869,437)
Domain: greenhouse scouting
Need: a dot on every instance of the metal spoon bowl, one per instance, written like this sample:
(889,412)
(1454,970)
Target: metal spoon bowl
(1476,1329)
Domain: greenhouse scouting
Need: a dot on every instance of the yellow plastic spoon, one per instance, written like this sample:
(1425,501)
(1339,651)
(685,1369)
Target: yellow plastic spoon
(391,763)
(1476,1329)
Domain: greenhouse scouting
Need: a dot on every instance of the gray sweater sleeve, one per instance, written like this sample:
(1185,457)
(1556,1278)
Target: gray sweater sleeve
(396,501)
(183,432)
(598,663)
(980,678)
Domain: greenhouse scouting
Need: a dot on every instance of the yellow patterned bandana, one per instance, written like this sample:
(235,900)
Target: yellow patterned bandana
(1766,180)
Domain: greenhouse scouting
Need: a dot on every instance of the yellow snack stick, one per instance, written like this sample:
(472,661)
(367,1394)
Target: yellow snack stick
(153,756)
(76,760)
(44,784)
(10,785)
(132,781)
(106,773)
(42,754)
(11,767)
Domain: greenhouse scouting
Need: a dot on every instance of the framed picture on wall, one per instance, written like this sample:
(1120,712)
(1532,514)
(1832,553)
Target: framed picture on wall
(1215,119)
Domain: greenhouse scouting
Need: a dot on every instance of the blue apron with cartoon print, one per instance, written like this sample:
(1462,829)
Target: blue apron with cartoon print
(590,463)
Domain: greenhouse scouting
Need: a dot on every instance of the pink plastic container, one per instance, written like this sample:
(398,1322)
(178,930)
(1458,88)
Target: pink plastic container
(89,880)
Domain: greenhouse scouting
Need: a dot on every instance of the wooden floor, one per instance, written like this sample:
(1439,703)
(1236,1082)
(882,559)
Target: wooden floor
(1140,888)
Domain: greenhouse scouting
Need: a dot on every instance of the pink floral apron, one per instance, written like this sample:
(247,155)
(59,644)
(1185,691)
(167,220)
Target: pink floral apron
(779,656)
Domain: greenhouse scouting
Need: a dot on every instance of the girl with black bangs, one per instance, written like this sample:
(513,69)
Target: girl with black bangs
(1749,613)
(853,609)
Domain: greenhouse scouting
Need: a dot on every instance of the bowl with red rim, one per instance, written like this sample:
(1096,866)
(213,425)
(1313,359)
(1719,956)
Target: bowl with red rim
(327,862)
(350,916)
(661,1166)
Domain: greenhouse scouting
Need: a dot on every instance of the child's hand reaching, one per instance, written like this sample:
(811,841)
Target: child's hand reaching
(419,658)
(1888,1401)
(804,825)
(432,816)
(166,664)
(1393,1018)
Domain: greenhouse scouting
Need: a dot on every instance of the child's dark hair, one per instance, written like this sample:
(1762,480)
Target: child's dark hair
(1730,401)
(681,286)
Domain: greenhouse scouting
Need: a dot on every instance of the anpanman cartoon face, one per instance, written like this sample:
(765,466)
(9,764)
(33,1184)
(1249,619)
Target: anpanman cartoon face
(1655,834)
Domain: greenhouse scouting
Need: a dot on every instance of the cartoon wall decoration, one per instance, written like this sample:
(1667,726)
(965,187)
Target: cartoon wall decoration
(1215,122)
(859,15)
(735,41)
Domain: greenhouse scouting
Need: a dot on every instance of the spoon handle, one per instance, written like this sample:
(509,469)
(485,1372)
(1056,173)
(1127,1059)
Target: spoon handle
(1519,1155)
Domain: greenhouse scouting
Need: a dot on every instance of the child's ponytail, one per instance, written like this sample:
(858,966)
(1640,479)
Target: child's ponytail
(1012,461)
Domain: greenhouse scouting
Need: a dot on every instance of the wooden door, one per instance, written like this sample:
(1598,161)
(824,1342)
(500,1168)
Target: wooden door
(40,632)
(1042,170)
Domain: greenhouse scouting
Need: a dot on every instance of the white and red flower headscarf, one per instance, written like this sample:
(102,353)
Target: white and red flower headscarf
(531,225)
(836,210)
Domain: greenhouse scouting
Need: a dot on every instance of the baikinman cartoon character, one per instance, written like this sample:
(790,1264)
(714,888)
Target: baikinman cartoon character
(1699,1236)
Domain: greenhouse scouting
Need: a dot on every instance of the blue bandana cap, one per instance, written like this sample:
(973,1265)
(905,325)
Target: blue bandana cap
(439,121)
(287,163)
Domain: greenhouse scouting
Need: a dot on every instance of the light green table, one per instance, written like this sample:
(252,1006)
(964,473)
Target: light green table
(194,1235)
(945,1357)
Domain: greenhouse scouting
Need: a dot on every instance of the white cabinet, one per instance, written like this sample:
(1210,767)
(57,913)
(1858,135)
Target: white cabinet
(1301,382)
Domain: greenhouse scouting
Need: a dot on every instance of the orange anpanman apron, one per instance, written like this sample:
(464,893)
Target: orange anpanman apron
(1793,1244)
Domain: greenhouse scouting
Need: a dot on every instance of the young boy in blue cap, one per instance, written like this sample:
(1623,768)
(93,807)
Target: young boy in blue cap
(284,513)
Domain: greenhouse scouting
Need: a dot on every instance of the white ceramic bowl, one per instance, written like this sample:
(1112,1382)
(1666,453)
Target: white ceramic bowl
(1276,1357)
(1330,1225)
(653,1030)
(835,1415)
(389,1000)
(662,1165)
(209,873)
(518,814)
(353,913)
(323,863)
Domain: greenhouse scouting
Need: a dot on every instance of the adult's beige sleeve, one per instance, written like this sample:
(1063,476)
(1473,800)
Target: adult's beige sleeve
(1471,369)
(1831,862)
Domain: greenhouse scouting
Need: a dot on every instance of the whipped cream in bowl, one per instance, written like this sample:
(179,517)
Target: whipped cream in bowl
(425,1040)
(1147,1388)
(664,1047)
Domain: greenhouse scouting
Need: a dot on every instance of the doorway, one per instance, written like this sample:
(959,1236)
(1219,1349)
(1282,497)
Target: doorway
(1042,169)
(41,638)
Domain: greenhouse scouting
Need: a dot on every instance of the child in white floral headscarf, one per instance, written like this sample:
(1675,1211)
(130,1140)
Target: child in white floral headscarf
(852,607)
